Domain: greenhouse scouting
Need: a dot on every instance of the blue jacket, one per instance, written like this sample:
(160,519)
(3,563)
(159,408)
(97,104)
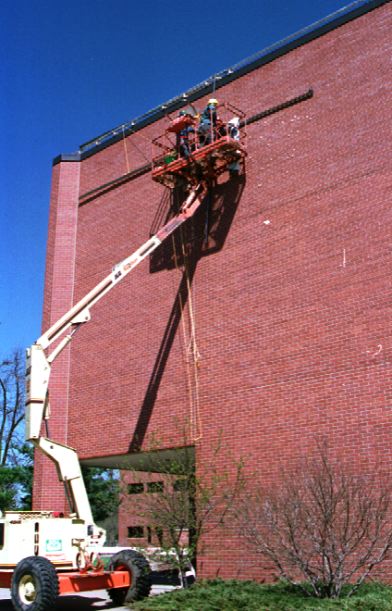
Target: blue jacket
(208,115)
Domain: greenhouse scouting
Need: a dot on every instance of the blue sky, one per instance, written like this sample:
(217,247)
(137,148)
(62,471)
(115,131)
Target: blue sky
(72,70)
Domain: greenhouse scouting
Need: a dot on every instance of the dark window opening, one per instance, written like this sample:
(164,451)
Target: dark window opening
(1,535)
(159,533)
(180,484)
(135,532)
(135,488)
(154,532)
(155,487)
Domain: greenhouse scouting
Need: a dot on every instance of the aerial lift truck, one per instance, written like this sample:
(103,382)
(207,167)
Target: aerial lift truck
(44,554)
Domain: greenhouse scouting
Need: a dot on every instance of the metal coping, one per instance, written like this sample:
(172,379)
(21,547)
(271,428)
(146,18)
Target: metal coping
(139,171)
(327,24)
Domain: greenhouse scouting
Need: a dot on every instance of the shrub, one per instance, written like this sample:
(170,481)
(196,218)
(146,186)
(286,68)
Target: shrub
(322,524)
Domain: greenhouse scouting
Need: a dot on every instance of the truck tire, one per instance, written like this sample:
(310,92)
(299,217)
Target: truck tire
(140,576)
(34,585)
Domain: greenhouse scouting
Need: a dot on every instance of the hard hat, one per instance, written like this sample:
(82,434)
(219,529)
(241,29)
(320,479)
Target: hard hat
(213,101)
(234,121)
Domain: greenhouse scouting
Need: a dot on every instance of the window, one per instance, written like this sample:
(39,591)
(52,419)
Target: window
(180,484)
(158,532)
(135,532)
(1,535)
(135,488)
(155,487)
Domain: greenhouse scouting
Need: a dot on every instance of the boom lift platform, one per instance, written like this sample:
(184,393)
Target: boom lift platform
(226,146)
(43,553)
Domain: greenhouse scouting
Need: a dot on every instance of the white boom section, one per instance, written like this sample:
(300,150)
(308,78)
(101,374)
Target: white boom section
(38,365)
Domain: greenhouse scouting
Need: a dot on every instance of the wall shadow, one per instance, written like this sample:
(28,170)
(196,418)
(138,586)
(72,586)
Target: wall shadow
(202,235)
(208,229)
(164,350)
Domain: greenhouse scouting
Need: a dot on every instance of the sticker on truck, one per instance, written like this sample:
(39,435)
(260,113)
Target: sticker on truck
(54,545)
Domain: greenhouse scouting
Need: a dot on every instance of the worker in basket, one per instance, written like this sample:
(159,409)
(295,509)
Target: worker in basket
(210,127)
(185,137)
(233,130)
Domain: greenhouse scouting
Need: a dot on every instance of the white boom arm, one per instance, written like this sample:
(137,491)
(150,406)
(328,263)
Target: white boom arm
(38,364)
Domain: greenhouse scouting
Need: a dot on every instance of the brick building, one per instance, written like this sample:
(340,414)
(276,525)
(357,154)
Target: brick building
(287,290)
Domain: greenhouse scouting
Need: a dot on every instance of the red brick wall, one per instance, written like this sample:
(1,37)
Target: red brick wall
(59,286)
(134,505)
(292,306)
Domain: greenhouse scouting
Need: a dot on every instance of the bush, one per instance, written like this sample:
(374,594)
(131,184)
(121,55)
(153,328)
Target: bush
(322,524)
(233,595)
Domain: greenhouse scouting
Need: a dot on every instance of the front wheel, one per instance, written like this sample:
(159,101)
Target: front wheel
(34,585)
(140,576)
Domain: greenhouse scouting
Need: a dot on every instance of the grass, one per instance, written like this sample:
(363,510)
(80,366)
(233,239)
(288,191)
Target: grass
(231,595)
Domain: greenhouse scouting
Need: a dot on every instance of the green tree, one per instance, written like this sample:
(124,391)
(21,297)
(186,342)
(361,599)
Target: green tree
(187,505)
(15,487)
(103,489)
(16,457)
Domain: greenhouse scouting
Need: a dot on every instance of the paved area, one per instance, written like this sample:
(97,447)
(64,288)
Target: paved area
(89,601)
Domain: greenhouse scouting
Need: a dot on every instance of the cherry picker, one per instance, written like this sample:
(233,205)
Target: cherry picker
(44,554)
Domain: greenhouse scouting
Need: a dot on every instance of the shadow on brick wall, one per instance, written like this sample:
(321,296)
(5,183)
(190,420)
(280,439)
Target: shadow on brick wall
(206,232)
(150,397)
(203,235)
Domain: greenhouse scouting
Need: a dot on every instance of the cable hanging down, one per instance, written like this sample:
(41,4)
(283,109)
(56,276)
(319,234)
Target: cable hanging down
(192,354)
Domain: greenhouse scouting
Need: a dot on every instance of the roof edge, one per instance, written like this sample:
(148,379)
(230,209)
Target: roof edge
(315,30)
(67,157)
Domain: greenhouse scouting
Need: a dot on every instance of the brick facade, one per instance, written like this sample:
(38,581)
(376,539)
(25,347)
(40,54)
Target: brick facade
(133,525)
(59,287)
(290,295)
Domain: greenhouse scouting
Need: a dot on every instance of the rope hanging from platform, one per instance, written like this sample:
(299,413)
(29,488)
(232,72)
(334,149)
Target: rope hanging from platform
(125,150)
(192,354)
(136,147)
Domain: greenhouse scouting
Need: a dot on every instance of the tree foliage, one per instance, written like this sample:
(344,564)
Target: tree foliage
(15,455)
(15,487)
(188,506)
(11,407)
(323,523)
(103,490)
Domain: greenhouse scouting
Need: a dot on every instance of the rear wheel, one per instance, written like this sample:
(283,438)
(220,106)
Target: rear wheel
(140,576)
(35,585)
